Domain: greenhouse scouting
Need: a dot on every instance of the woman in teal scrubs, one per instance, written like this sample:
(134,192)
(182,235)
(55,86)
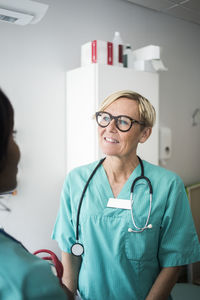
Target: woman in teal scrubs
(22,275)
(119,263)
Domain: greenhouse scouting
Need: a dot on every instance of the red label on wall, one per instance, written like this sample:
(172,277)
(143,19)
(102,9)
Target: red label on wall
(109,53)
(94,51)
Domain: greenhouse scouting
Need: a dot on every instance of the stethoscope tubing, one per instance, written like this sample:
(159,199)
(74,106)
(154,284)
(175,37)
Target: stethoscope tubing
(141,177)
(140,229)
(83,193)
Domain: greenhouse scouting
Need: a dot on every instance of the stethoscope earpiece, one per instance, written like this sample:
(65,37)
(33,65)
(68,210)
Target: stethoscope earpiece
(142,229)
(150,226)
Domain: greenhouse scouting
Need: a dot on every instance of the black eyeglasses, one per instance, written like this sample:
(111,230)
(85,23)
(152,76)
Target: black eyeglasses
(123,123)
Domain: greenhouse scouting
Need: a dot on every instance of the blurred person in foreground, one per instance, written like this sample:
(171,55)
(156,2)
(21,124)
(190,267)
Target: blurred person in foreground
(22,275)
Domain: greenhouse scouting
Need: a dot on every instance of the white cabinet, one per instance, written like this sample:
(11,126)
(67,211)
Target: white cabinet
(86,89)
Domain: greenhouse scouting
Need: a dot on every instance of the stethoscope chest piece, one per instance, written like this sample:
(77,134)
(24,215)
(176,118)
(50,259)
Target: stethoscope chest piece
(77,249)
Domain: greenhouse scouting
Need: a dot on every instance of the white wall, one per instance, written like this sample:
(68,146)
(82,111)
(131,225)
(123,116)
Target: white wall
(33,61)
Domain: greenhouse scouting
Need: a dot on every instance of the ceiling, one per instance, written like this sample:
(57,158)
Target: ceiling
(188,10)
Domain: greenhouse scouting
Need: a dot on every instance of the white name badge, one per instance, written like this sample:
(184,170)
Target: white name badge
(119,203)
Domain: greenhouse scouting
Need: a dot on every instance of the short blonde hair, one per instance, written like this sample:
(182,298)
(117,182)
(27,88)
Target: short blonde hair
(146,110)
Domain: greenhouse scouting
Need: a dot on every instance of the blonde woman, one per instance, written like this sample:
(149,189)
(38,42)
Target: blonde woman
(124,225)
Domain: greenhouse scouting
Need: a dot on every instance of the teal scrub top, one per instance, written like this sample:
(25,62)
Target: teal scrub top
(118,264)
(24,276)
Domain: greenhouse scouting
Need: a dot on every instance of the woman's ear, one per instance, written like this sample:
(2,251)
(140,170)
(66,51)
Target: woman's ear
(145,134)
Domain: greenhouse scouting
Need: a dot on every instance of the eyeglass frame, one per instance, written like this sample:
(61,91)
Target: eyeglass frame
(3,206)
(116,120)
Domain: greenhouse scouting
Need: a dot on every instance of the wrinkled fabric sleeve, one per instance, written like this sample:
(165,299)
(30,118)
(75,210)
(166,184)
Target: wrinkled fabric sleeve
(179,243)
(64,230)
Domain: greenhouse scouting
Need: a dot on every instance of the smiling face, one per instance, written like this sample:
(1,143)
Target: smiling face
(112,141)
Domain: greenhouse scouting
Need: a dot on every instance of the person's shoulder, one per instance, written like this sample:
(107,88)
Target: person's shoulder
(9,245)
(13,255)
(161,173)
(21,268)
(6,239)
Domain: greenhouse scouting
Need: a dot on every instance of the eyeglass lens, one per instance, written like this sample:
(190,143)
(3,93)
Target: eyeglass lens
(123,123)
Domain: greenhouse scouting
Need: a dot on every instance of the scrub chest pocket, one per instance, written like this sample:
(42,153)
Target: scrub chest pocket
(136,246)
(141,246)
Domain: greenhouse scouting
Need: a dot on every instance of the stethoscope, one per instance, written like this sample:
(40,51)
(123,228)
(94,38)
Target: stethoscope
(77,248)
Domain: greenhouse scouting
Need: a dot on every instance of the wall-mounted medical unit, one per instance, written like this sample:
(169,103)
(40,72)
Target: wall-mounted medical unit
(165,144)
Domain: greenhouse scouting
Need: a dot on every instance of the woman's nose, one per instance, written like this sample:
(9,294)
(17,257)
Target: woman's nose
(112,126)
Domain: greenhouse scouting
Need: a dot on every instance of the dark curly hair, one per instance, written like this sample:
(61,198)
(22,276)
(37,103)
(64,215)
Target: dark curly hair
(6,125)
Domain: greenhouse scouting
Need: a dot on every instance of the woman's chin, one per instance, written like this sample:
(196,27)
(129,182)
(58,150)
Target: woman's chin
(110,150)
(109,153)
